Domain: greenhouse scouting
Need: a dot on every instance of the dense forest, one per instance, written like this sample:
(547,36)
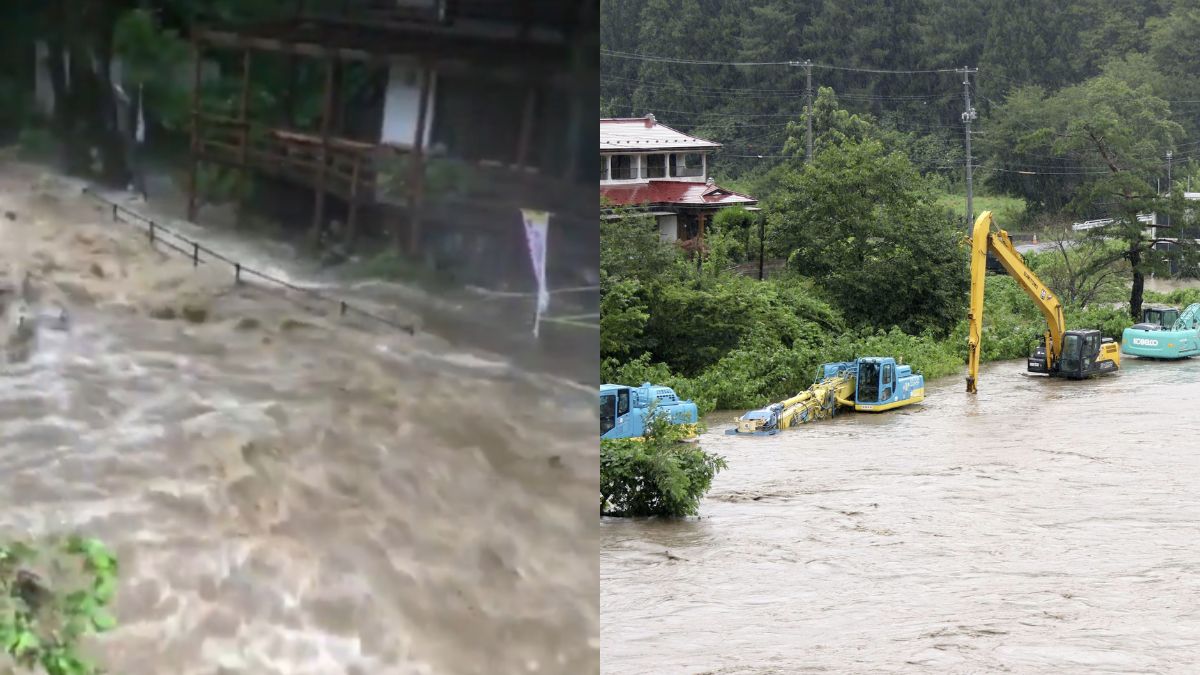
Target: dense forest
(895,59)
(1087,109)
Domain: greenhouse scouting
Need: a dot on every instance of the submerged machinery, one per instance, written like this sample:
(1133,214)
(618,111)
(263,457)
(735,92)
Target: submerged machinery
(1074,354)
(1164,333)
(869,384)
(624,410)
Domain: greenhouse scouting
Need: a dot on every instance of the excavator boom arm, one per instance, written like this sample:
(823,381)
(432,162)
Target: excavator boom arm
(983,240)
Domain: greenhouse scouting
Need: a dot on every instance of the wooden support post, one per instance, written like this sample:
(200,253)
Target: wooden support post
(417,183)
(244,138)
(339,106)
(352,216)
(322,166)
(195,145)
(289,96)
(526,127)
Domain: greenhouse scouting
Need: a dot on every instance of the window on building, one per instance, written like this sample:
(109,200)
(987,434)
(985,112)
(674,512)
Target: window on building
(622,167)
(687,165)
(656,166)
(603,167)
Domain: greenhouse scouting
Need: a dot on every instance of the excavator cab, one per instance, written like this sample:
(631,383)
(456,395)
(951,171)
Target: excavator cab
(1158,318)
(868,382)
(1086,353)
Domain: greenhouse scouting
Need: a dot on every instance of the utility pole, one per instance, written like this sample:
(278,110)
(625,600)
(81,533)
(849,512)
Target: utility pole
(1169,187)
(762,248)
(968,116)
(808,107)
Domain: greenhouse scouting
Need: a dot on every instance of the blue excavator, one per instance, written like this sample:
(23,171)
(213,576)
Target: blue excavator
(1164,333)
(868,384)
(624,410)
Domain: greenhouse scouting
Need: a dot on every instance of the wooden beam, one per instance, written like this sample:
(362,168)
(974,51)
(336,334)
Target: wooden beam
(195,145)
(319,192)
(526,132)
(289,95)
(352,217)
(416,193)
(243,137)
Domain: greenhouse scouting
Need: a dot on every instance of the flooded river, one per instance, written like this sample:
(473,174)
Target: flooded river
(286,493)
(1039,527)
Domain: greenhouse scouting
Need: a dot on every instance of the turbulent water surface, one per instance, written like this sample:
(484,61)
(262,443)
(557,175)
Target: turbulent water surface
(286,493)
(1038,527)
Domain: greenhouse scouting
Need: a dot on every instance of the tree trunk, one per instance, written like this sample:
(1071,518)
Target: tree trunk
(84,102)
(1139,283)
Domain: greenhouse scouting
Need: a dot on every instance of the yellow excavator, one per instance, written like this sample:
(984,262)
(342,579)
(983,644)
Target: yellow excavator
(1074,354)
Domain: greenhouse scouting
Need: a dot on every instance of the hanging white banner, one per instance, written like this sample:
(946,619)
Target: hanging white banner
(537,224)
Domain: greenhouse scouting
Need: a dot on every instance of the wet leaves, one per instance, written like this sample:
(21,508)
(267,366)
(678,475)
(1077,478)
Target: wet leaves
(41,621)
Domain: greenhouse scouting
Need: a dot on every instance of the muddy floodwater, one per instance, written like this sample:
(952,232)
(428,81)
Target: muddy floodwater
(287,491)
(1038,527)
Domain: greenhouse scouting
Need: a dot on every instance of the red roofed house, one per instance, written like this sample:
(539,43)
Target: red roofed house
(663,172)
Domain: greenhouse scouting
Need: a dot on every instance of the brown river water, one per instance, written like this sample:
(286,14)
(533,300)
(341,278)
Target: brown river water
(286,492)
(1038,527)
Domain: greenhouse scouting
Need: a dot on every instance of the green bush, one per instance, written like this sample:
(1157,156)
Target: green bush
(657,475)
(1180,298)
(35,143)
(43,619)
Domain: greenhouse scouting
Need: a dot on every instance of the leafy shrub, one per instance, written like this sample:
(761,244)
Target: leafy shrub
(41,624)
(35,143)
(657,475)
(1180,298)
(636,371)
(1111,321)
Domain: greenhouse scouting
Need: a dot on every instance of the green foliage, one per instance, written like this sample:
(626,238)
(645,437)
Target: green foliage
(631,248)
(443,178)
(623,318)
(155,59)
(393,266)
(220,185)
(1082,270)
(35,143)
(1109,320)
(42,624)
(1180,297)
(657,475)
(694,327)
(866,226)
(1008,211)
(642,369)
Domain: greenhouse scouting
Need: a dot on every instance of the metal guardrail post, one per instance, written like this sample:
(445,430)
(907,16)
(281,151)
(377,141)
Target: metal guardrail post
(152,233)
(114,209)
(237,273)
(195,254)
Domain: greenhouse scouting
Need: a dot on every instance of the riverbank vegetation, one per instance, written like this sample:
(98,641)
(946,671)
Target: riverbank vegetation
(874,265)
(656,475)
(864,243)
(52,596)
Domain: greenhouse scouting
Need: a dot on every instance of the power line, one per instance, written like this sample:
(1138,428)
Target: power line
(827,66)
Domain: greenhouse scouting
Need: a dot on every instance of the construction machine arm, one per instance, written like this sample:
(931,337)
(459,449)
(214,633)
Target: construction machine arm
(998,243)
(1189,318)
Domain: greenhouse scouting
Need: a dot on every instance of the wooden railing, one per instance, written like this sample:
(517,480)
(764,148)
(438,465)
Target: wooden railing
(363,173)
(349,165)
